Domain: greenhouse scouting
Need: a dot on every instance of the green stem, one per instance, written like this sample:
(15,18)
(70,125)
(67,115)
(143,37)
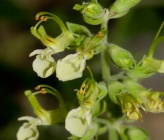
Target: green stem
(157,40)
(105,55)
(112,134)
(155,43)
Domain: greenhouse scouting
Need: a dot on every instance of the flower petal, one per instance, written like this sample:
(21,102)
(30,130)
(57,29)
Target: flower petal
(70,67)
(43,67)
(28,131)
(78,123)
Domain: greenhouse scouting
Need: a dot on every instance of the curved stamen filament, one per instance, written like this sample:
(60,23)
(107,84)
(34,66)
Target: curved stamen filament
(48,89)
(53,17)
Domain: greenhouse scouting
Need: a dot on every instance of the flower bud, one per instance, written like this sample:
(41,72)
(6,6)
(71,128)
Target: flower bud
(92,12)
(121,57)
(121,7)
(135,133)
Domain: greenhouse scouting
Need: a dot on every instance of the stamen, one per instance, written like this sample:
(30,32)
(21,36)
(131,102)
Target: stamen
(36,17)
(43,18)
(37,87)
(43,91)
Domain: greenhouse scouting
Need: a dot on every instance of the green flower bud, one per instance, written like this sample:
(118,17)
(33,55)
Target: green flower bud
(121,7)
(121,57)
(44,64)
(70,67)
(79,121)
(92,12)
(135,133)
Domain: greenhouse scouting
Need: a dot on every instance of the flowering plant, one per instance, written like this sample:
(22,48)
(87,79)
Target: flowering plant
(98,101)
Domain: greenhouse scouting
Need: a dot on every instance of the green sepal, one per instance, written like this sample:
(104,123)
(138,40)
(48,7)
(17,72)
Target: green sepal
(115,88)
(102,90)
(133,87)
(99,108)
(140,72)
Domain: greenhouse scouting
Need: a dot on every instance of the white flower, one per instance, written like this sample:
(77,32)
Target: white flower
(44,64)
(70,67)
(79,121)
(29,131)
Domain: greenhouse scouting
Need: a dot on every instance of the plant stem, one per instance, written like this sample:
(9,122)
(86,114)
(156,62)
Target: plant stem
(105,55)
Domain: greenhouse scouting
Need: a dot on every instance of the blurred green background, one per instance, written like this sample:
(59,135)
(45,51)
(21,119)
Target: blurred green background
(135,32)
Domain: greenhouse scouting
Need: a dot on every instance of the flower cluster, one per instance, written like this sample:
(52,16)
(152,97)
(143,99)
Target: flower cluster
(132,97)
(71,66)
(44,117)
(127,97)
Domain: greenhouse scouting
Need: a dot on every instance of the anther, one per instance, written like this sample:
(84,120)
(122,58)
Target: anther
(43,91)
(36,18)
(43,18)
(37,87)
